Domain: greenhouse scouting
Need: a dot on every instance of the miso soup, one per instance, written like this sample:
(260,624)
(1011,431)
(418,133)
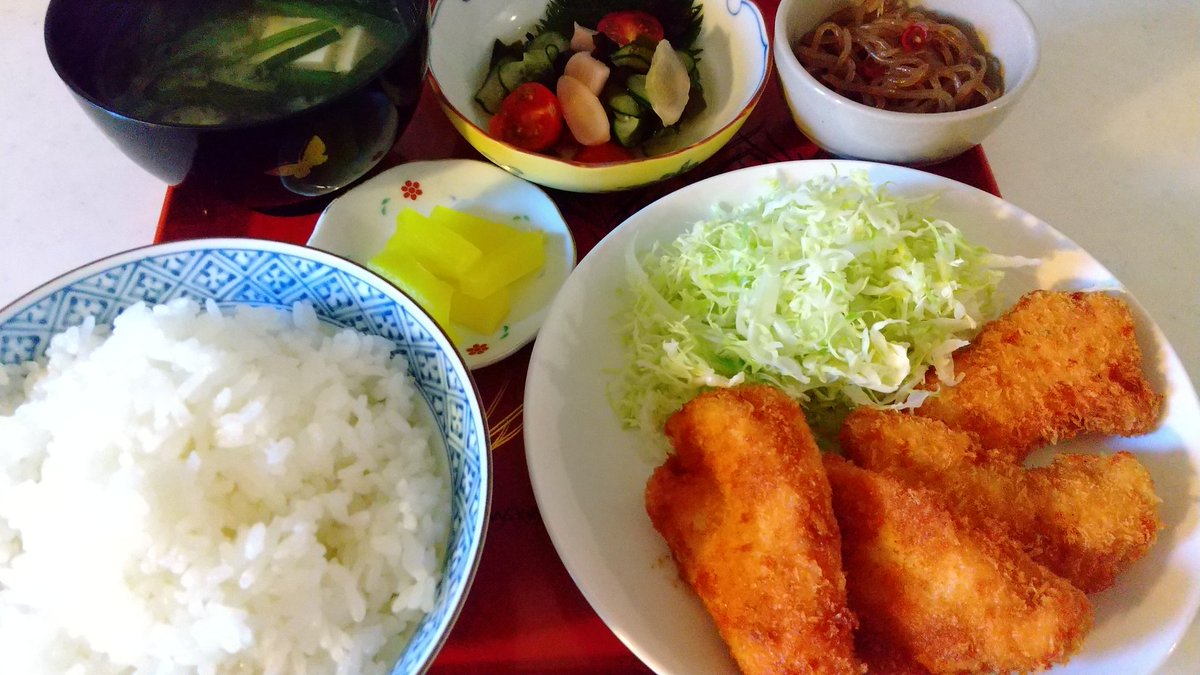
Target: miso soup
(231,62)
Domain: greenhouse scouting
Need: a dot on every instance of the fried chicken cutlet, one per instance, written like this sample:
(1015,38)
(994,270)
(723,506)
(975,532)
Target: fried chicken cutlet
(1087,518)
(1055,366)
(745,507)
(926,585)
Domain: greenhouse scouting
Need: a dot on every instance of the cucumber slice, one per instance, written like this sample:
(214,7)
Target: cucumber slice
(548,42)
(512,75)
(624,104)
(539,64)
(542,54)
(511,66)
(636,86)
(633,56)
(492,92)
(628,130)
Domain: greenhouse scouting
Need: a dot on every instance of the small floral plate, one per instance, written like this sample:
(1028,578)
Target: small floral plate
(359,223)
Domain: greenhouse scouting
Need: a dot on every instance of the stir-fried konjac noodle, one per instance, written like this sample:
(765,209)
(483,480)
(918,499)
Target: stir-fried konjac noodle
(885,54)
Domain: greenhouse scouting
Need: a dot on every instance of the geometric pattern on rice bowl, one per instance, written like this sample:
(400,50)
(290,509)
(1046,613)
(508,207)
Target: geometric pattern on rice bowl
(235,272)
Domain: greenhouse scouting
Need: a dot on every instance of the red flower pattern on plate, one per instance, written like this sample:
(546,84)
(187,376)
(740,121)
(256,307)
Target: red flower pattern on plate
(477,349)
(411,189)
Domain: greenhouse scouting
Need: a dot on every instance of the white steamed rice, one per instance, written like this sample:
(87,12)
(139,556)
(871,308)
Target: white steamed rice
(205,493)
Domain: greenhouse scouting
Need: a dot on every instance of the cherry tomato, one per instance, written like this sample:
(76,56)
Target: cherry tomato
(500,126)
(627,26)
(529,118)
(605,152)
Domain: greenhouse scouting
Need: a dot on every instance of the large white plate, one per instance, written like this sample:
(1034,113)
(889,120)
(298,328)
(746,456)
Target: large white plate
(588,473)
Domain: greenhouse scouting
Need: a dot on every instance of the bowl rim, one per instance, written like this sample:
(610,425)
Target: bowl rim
(394,293)
(786,61)
(751,103)
(57,62)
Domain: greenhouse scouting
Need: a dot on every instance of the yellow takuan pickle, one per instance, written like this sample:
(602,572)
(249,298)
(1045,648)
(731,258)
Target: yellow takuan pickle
(443,251)
(459,267)
(482,315)
(524,254)
(410,276)
(486,234)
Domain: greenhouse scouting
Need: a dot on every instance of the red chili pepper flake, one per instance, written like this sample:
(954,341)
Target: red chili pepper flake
(914,37)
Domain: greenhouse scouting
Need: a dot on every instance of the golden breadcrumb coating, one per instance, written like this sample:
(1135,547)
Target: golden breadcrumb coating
(927,586)
(882,659)
(1085,517)
(1055,366)
(745,508)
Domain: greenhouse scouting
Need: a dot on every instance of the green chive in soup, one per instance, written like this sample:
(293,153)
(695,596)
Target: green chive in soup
(230,62)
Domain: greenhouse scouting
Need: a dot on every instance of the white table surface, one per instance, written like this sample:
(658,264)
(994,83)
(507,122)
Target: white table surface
(1105,147)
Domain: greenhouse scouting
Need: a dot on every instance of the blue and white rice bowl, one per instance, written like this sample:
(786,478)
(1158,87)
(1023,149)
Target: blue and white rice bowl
(235,273)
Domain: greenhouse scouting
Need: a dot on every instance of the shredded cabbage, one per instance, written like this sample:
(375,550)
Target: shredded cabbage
(835,291)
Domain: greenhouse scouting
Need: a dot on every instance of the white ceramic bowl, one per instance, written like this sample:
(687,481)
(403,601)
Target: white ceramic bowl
(734,69)
(850,129)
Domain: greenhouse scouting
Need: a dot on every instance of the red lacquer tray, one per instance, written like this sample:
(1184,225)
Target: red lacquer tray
(524,614)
